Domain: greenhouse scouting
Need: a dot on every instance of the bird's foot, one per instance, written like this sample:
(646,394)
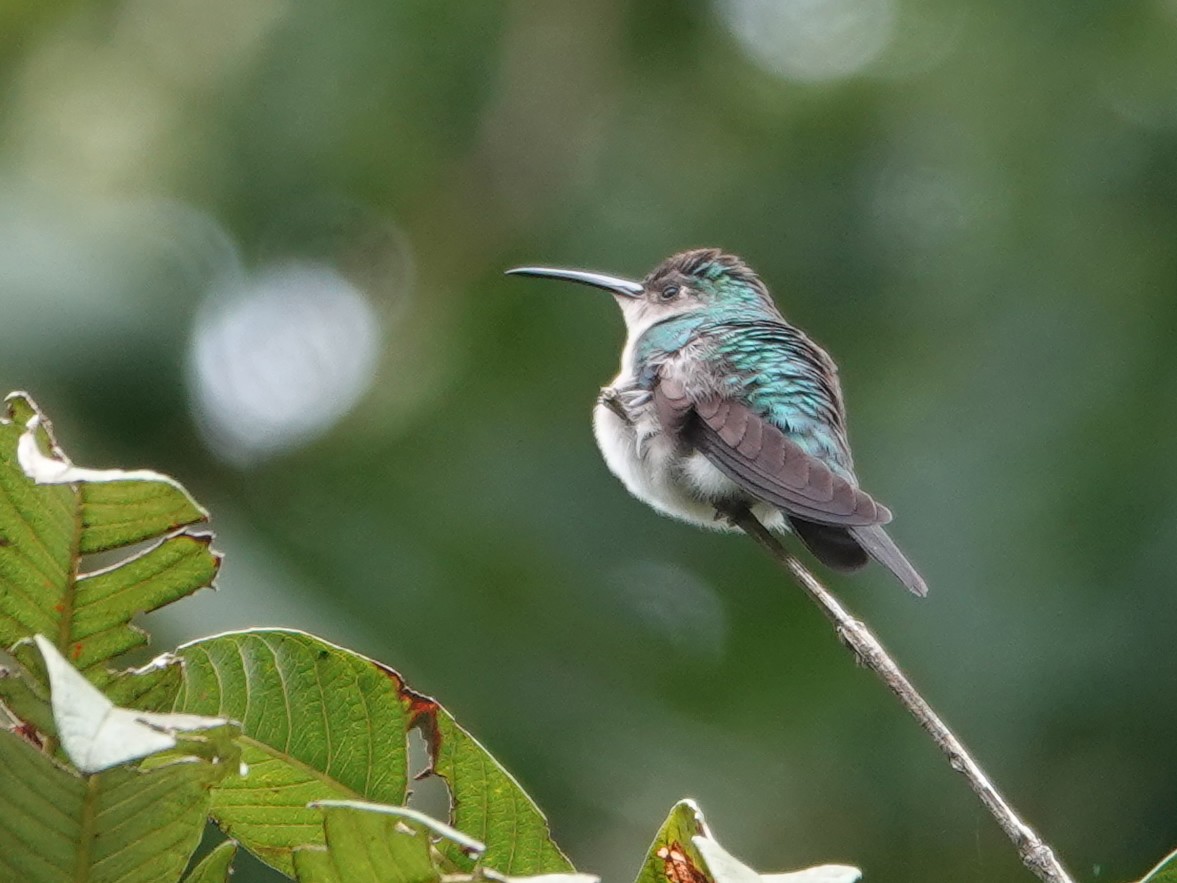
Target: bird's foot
(610,397)
(733,514)
(849,636)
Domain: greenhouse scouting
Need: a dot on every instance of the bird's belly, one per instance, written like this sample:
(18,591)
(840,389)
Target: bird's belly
(684,485)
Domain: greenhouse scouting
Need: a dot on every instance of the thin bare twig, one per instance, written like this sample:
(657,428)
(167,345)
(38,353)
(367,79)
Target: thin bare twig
(1035,854)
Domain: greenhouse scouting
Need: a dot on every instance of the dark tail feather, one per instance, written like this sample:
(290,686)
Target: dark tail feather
(832,546)
(878,545)
(847,548)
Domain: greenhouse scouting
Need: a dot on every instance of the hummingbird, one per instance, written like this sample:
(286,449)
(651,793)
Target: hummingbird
(720,404)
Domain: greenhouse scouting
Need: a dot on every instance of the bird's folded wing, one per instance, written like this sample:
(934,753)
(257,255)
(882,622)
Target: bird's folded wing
(762,459)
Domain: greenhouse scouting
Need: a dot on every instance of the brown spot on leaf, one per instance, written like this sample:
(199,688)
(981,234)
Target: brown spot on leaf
(678,867)
(30,734)
(416,704)
(421,711)
(76,650)
(419,706)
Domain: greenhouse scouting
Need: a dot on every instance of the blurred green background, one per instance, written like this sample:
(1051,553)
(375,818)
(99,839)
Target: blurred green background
(258,244)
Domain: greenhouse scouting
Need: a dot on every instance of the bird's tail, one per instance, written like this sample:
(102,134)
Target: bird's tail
(878,545)
(830,544)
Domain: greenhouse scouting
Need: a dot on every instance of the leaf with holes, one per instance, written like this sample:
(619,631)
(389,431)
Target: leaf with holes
(53,513)
(488,804)
(685,851)
(323,723)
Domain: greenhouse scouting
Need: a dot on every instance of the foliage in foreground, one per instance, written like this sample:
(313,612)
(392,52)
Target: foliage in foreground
(296,748)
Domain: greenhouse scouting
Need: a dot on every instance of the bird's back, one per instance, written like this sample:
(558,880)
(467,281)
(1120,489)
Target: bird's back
(776,370)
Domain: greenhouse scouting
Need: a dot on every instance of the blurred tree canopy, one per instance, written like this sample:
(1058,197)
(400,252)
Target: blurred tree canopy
(258,244)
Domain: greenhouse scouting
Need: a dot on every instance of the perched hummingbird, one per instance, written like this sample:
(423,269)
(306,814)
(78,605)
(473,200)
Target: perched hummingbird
(721,403)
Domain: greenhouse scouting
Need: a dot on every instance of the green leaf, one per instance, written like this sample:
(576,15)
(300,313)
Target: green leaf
(684,849)
(370,843)
(321,723)
(151,688)
(216,866)
(52,513)
(489,805)
(318,723)
(124,825)
(1165,872)
(367,843)
(412,818)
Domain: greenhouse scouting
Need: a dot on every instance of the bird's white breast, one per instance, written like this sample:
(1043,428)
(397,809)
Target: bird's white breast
(682,484)
(647,463)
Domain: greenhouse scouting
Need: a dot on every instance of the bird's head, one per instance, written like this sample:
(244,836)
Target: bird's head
(704,279)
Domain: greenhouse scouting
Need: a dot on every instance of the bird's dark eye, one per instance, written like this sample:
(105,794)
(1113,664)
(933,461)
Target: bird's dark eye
(670,292)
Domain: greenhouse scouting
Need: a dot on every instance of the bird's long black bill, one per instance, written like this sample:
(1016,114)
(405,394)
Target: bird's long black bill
(615,284)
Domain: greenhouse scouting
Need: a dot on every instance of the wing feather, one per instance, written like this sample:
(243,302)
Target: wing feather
(761,458)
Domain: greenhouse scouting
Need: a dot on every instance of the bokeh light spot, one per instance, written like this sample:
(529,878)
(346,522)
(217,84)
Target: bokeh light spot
(279,359)
(811,40)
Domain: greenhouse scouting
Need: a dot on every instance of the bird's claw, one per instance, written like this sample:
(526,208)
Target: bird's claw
(611,399)
(730,514)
